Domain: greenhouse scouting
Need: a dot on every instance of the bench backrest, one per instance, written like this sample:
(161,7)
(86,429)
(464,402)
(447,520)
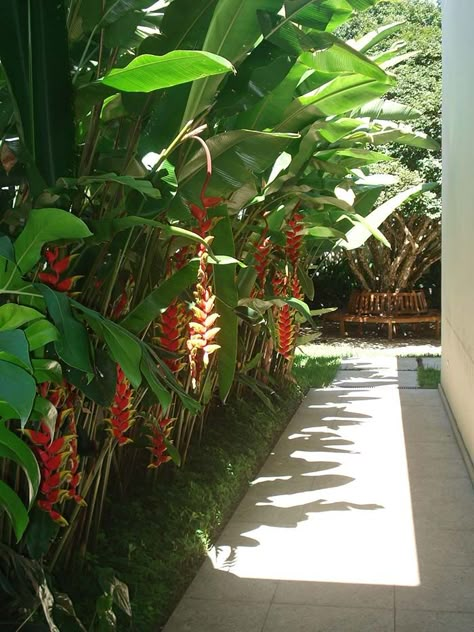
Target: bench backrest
(382,303)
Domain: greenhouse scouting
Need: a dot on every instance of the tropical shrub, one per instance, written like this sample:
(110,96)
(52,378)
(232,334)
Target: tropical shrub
(414,229)
(169,174)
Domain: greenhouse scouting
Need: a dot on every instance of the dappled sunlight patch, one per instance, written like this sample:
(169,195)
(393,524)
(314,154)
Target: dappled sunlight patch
(306,525)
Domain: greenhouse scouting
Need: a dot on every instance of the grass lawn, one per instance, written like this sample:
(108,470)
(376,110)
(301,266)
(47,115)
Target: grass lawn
(315,372)
(428,377)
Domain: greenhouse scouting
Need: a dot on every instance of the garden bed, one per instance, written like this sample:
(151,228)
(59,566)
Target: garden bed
(155,541)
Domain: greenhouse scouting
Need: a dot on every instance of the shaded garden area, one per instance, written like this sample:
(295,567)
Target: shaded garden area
(185,189)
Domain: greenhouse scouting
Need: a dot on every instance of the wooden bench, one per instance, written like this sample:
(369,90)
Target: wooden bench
(390,308)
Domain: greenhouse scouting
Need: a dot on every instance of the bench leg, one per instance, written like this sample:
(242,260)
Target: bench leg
(342,329)
(390,330)
(438,328)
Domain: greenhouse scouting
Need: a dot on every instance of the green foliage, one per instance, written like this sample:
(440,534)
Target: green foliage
(139,289)
(187,508)
(147,73)
(14,449)
(418,86)
(428,377)
(40,83)
(315,372)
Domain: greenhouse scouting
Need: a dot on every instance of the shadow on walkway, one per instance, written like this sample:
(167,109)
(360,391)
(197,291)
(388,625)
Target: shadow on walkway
(361,520)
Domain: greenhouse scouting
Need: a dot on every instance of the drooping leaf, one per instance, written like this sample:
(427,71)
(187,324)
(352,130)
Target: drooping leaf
(73,344)
(46,370)
(339,96)
(150,373)
(334,56)
(147,73)
(357,235)
(306,282)
(105,229)
(44,411)
(17,391)
(125,350)
(159,299)
(173,452)
(227,299)
(101,389)
(13,316)
(41,333)
(6,249)
(144,187)
(232,33)
(376,36)
(123,347)
(45,225)
(388,110)
(118,591)
(13,448)
(10,502)
(14,348)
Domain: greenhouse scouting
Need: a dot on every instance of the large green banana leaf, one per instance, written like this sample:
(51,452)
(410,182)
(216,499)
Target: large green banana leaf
(233,32)
(236,156)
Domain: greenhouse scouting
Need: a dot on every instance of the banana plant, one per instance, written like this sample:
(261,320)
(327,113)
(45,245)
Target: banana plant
(156,234)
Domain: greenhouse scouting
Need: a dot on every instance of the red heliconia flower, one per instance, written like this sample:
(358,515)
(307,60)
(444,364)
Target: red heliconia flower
(51,455)
(280,283)
(283,286)
(56,452)
(174,324)
(55,269)
(174,320)
(160,433)
(201,328)
(286,331)
(296,289)
(121,413)
(294,238)
(200,213)
(74,478)
(261,256)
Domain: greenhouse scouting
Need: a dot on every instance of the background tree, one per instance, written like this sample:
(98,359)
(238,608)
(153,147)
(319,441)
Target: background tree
(414,230)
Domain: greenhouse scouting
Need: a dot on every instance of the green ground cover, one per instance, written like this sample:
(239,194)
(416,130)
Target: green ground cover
(428,377)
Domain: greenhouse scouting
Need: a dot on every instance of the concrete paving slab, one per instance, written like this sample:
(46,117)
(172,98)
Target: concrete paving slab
(445,547)
(441,589)
(209,615)
(224,586)
(368,363)
(283,618)
(406,364)
(360,520)
(333,594)
(424,621)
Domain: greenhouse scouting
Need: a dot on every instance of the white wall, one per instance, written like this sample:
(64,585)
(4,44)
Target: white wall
(458,214)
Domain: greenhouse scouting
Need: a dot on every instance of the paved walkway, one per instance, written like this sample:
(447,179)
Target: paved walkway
(361,520)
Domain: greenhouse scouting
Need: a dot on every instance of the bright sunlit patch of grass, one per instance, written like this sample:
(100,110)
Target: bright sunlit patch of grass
(315,372)
(428,377)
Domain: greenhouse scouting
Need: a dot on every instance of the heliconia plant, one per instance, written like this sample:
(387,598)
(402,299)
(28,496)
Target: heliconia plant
(158,228)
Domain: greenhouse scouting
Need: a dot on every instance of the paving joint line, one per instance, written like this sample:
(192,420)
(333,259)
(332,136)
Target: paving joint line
(370,388)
